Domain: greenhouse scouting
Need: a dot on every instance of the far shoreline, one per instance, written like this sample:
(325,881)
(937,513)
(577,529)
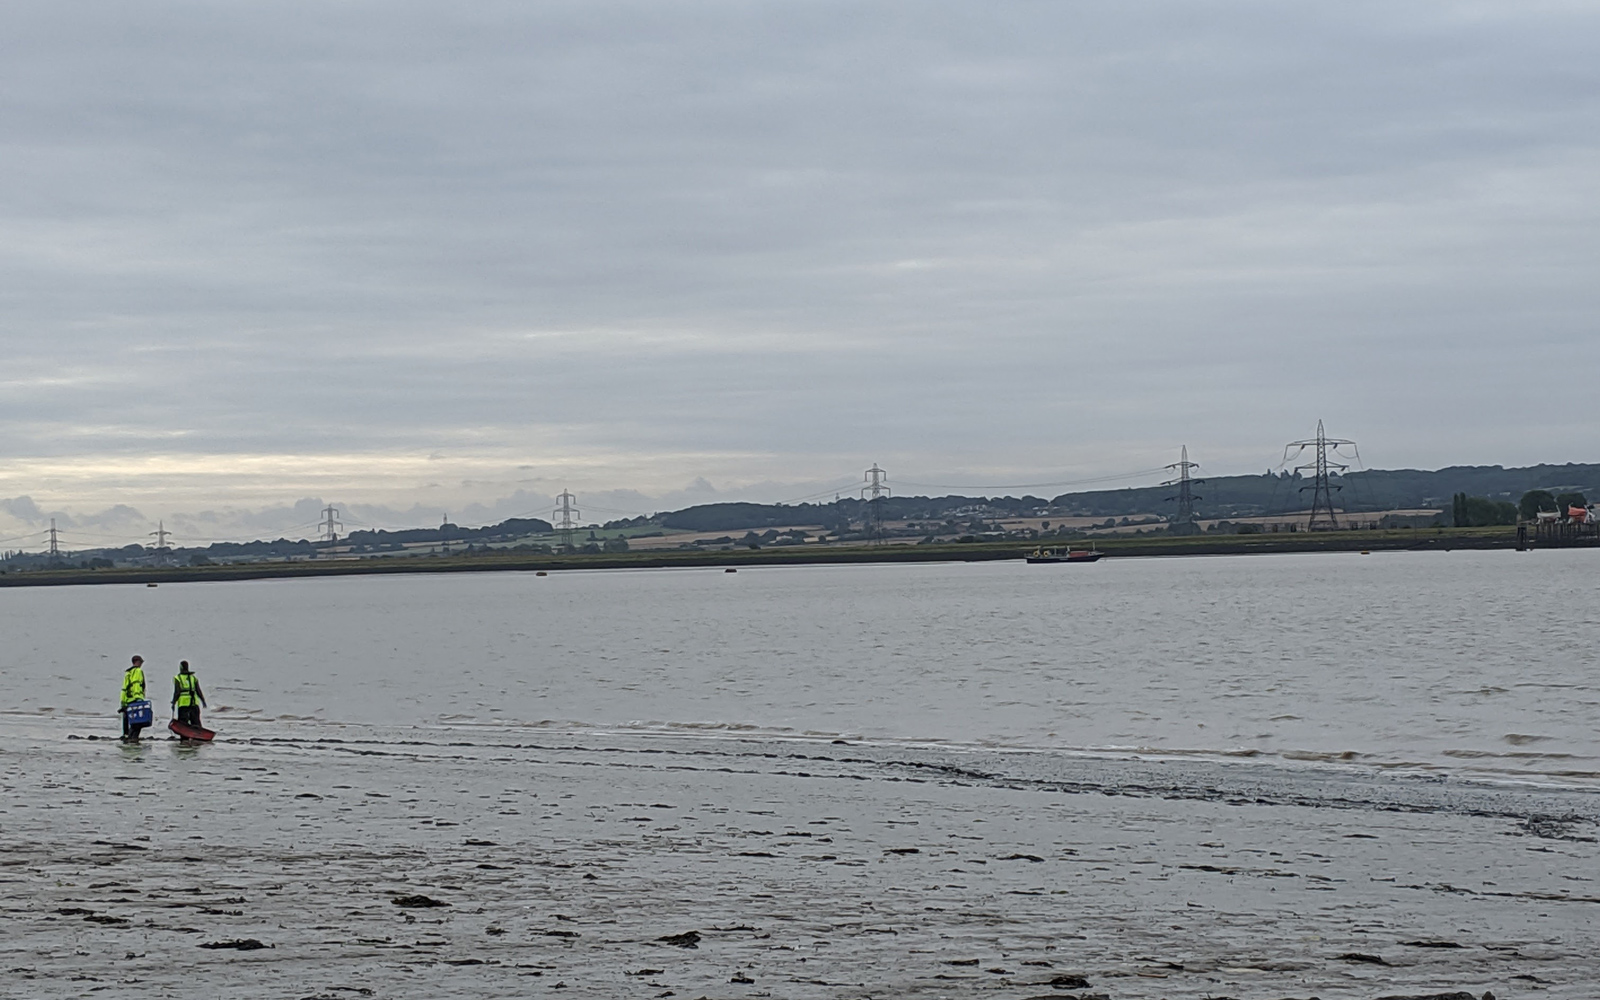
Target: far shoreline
(1392,540)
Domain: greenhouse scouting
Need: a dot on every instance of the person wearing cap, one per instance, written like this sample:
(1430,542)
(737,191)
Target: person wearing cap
(132,691)
(185,694)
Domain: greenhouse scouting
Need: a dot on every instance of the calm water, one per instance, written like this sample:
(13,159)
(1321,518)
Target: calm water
(1462,660)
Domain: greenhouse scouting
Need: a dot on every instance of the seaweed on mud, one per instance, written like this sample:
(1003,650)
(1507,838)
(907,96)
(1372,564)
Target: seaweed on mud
(1065,982)
(688,939)
(1356,956)
(238,944)
(1555,828)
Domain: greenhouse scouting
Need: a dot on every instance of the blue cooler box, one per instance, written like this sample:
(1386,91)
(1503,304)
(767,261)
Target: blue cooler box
(139,713)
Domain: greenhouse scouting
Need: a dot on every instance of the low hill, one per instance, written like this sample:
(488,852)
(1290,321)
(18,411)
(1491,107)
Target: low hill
(1373,489)
(1223,496)
(516,527)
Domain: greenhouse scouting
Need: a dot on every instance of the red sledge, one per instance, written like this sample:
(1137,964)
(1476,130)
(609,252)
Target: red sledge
(188,732)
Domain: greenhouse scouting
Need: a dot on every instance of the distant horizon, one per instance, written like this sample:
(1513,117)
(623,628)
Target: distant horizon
(125,524)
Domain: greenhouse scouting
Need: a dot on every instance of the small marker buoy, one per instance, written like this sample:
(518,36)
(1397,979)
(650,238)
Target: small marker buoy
(730,569)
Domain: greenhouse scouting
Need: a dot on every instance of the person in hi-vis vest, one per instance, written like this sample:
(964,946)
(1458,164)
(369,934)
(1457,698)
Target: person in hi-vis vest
(132,691)
(187,696)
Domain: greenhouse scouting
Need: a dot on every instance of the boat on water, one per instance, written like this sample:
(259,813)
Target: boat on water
(1054,555)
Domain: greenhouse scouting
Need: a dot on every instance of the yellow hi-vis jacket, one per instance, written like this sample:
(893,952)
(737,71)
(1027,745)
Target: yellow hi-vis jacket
(185,687)
(132,685)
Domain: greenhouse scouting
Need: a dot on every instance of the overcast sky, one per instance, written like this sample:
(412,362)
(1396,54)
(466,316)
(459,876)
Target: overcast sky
(457,257)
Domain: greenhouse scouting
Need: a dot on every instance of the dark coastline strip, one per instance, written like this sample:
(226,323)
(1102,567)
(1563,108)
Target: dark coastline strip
(1153,545)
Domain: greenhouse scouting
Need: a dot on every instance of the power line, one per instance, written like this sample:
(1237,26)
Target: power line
(1140,474)
(614,510)
(834,489)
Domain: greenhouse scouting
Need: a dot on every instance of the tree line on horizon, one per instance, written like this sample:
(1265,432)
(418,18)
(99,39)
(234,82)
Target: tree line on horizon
(1478,512)
(1221,497)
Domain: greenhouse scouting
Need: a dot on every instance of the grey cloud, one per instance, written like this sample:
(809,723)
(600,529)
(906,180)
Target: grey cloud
(777,242)
(24,509)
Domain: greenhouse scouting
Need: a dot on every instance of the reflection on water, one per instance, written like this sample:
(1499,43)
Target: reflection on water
(1475,660)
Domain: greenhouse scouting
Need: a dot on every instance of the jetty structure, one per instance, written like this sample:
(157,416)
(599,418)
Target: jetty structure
(1574,527)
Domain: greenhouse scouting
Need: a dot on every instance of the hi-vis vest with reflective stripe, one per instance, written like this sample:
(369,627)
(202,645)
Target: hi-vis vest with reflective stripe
(132,685)
(186,686)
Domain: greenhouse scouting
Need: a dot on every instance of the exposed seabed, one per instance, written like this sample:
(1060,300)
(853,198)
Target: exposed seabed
(307,861)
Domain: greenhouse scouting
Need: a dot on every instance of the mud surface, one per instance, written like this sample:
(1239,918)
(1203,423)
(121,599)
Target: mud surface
(350,861)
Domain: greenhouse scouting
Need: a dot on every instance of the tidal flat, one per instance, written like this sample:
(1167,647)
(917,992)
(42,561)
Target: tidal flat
(315,861)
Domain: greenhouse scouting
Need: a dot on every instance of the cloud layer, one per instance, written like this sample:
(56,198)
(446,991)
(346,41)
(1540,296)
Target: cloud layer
(421,257)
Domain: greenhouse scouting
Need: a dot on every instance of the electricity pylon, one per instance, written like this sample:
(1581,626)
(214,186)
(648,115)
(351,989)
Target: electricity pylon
(1322,490)
(160,535)
(55,549)
(1186,495)
(566,512)
(330,524)
(874,491)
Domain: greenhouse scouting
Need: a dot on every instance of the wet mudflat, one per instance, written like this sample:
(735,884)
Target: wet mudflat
(350,861)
